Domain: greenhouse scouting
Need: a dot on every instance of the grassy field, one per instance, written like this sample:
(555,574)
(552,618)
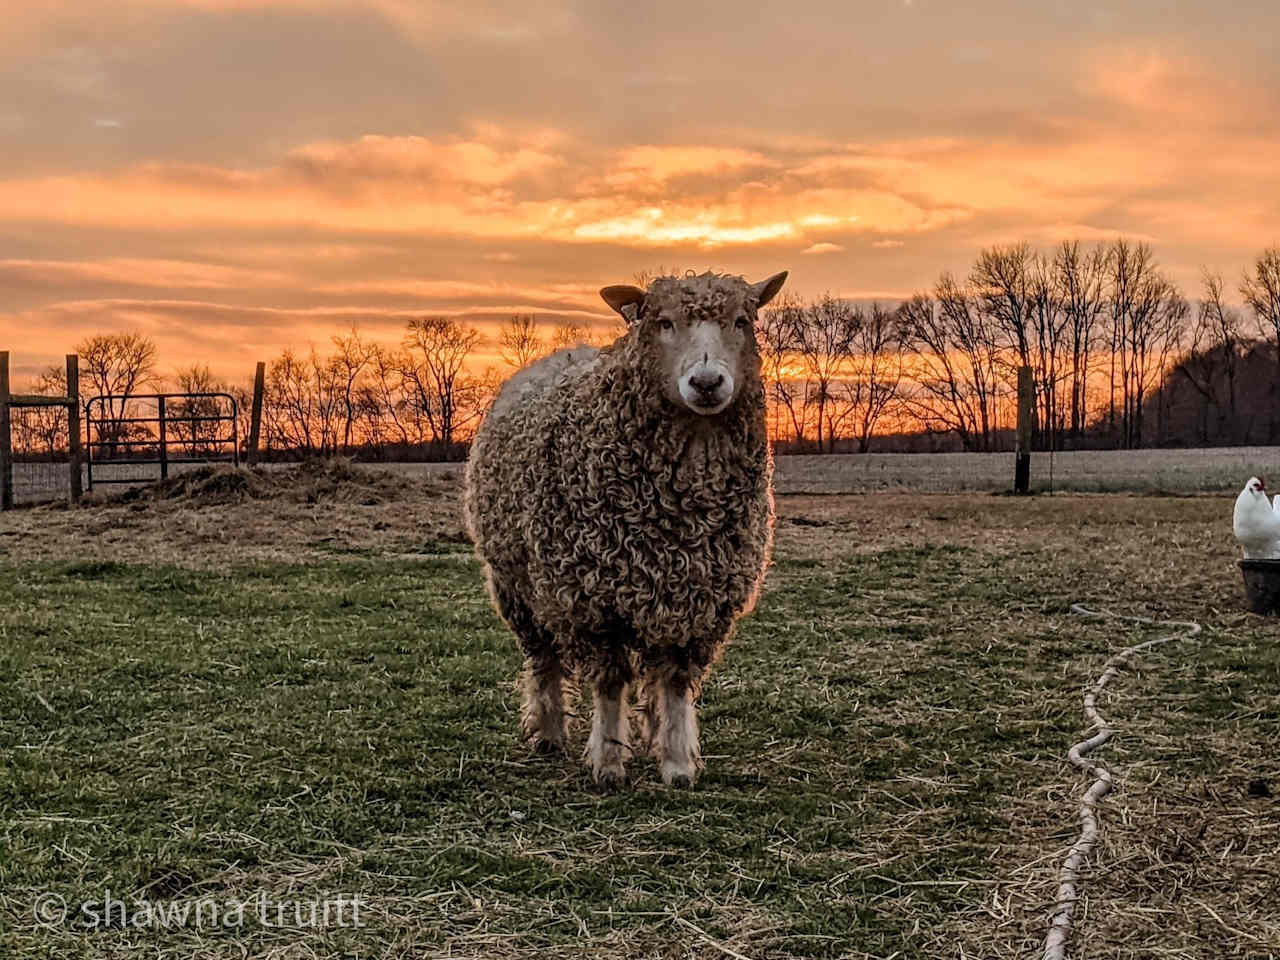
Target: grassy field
(295,688)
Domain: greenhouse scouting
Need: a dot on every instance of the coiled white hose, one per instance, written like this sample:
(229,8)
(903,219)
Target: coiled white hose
(1060,921)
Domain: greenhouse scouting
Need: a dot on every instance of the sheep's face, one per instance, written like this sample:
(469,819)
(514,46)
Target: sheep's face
(700,333)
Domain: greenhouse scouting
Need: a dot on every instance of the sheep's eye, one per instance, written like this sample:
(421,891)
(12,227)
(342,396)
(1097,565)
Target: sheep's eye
(666,324)
(741,323)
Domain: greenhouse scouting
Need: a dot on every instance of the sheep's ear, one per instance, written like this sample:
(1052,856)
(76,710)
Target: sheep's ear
(766,290)
(625,299)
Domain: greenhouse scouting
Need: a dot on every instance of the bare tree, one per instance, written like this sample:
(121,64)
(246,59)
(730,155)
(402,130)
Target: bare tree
(1214,356)
(776,336)
(196,378)
(305,402)
(519,342)
(1001,284)
(288,405)
(388,410)
(199,435)
(1261,292)
(569,333)
(1016,288)
(1134,294)
(957,364)
(1051,325)
(437,349)
(1169,339)
(1152,325)
(642,278)
(117,365)
(877,362)
(243,394)
(823,342)
(1080,285)
(349,362)
(476,393)
(188,416)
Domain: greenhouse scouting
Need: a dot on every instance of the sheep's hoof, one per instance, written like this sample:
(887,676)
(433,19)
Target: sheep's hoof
(611,781)
(548,748)
(678,776)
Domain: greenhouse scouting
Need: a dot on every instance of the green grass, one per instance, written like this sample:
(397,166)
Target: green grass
(348,725)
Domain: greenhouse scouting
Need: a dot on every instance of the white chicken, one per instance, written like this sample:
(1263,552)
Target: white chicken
(1256,522)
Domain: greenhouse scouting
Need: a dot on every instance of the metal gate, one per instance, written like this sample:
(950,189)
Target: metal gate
(197,427)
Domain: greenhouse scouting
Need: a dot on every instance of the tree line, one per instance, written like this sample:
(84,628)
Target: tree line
(420,398)
(1120,358)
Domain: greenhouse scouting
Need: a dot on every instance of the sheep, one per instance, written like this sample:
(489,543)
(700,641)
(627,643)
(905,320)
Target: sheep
(621,502)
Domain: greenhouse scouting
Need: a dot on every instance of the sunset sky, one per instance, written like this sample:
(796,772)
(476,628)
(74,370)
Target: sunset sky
(233,176)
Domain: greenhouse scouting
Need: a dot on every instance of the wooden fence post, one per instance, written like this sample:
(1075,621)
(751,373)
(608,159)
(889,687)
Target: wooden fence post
(1026,422)
(164,442)
(73,424)
(255,419)
(6,450)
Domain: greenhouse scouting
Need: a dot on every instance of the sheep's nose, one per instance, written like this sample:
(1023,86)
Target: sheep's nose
(707,382)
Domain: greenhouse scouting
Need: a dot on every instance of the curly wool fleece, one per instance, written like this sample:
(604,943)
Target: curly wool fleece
(606,514)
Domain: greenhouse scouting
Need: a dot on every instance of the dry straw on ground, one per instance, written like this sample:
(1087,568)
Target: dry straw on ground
(221,514)
(868,593)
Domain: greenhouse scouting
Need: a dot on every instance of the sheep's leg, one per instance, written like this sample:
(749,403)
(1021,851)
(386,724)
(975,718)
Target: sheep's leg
(545,682)
(542,714)
(610,731)
(679,759)
(648,719)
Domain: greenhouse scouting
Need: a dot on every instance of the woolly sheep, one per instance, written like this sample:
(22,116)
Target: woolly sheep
(621,500)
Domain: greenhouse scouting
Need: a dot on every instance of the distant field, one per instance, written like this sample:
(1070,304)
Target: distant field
(1179,472)
(1218,470)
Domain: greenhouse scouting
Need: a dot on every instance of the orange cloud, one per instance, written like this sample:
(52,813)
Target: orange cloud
(232,337)
(654,166)
(137,272)
(482,189)
(1151,143)
(417,160)
(506,188)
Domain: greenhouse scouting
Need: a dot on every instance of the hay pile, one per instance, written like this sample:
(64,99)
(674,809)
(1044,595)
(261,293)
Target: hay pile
(311,482)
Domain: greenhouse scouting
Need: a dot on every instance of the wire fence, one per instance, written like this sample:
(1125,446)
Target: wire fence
(41,459)
(128,441)
(1219,470)
(41,481)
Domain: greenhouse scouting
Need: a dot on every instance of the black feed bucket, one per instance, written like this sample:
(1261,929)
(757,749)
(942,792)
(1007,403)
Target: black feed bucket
(1262,585)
